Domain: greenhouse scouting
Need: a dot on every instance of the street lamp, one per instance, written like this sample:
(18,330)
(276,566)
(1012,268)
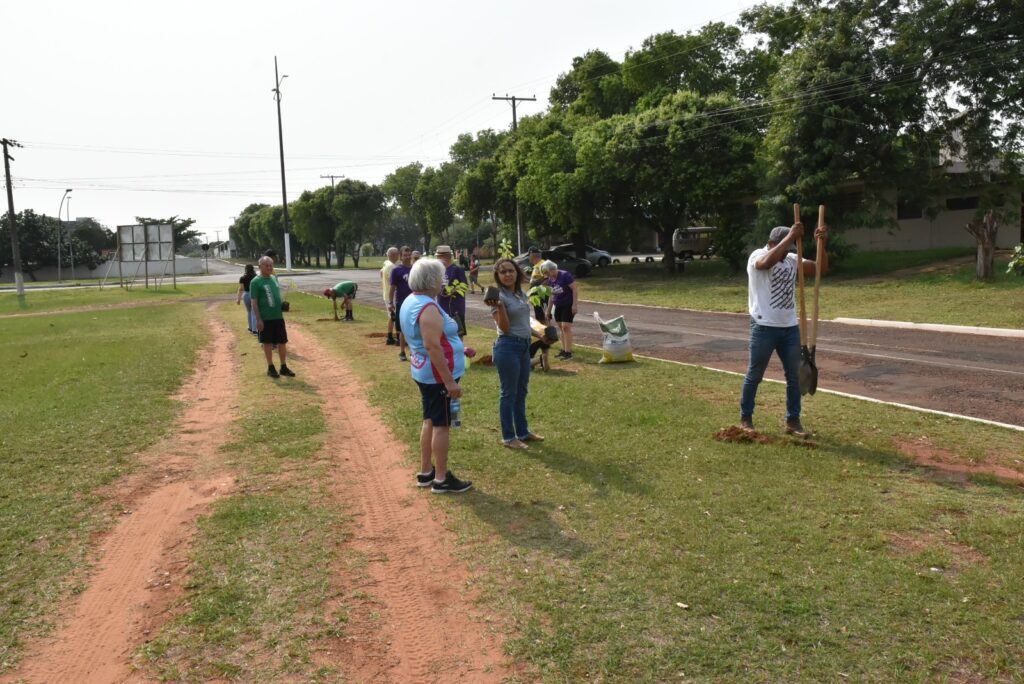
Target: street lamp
(284,193)
(60,229)
(71,245)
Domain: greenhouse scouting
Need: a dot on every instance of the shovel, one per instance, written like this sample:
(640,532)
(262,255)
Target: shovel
(807,374)
(817,287)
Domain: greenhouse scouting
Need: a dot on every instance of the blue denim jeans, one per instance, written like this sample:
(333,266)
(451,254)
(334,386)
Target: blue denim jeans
(512,358)
(763,341)
(247,300)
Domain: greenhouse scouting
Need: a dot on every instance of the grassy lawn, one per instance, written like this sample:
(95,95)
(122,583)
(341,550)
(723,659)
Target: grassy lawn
(263,558)
(867,285)
(83,393)
(633,547)
(68,298)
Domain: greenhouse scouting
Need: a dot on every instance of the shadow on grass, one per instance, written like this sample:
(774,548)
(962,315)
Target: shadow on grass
(600,475)
(526,525)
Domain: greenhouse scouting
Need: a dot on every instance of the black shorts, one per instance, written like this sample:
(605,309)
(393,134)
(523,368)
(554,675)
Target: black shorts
(398,322)
(436,408)
(563,313)
(274,332)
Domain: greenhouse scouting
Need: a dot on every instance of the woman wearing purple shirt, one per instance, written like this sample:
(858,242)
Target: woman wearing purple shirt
(563,299)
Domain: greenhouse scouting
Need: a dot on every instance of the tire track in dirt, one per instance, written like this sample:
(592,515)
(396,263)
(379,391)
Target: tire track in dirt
(142,561)
(430,630)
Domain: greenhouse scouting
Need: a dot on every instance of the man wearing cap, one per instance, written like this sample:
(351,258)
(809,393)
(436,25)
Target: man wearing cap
(346,289)
(537,277)
(452,298)
(772,275)
(385,283)
(399,291)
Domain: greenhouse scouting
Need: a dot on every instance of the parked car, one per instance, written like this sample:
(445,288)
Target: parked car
(690,242)
(567,262)
(595,255)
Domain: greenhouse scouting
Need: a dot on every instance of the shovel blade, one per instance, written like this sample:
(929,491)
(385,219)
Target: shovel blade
(808,372)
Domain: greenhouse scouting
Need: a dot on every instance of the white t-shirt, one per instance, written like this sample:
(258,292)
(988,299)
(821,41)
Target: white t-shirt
(771,294)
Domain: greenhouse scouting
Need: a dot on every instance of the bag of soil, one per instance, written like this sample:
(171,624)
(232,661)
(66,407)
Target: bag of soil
(616,346)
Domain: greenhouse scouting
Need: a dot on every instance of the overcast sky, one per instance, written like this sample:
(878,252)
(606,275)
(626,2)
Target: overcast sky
(161,109)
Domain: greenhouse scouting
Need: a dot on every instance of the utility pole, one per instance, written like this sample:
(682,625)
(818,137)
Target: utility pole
(515,125)
(19,282)
(71,245)
(332,177)
(284,192)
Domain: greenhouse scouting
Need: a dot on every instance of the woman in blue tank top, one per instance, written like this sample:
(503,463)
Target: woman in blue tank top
(437,361)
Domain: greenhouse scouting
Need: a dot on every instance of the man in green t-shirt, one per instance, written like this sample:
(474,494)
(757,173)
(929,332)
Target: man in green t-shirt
(346,289)
(266,306)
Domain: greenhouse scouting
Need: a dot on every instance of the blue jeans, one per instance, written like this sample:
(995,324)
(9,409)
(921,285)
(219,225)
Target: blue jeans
(247,300)
(763,341)
(512,358)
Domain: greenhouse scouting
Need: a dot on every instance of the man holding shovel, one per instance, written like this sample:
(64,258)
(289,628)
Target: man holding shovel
(772,275)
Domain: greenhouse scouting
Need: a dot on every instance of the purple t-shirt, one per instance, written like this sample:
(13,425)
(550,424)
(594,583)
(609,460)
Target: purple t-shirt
(456,304)
(561,292)
(400,283)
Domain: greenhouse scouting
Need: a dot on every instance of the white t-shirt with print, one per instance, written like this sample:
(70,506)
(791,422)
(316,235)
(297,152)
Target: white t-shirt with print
(771,294)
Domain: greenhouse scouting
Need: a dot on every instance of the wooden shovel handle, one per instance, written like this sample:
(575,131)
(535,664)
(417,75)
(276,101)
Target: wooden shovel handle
(800,280)
(817,275)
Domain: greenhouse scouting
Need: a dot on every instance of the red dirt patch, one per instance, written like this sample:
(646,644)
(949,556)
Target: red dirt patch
(485,360)
(906,544)
(376,334)
(738,435)
(923,452)
(420,623)
(141,562)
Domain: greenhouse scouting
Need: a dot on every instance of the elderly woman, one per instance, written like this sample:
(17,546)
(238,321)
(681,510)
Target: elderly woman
(437,361)
(564,297)
(512,311)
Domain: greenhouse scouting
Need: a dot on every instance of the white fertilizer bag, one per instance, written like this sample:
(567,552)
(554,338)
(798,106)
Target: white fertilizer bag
(616,346)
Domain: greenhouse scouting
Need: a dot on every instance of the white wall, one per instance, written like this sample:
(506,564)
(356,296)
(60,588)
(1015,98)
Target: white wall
(946,230)
(184,266)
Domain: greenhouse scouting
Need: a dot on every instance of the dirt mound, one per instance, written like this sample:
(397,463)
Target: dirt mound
(325,320)
(923,452)
(376,334)
(485,360)
(739,435)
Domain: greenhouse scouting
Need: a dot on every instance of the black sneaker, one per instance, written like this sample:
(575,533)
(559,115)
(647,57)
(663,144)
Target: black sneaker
(392,342)
(425,480)
(402,357)
(451,485)
(285,370)
(567,356)
(272,372)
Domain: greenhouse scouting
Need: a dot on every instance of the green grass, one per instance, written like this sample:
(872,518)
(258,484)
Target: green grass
(82,394)
(864,287)
(260,580)
(786,558)
(71,298)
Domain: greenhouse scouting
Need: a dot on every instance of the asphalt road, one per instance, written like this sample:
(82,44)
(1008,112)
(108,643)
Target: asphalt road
(966,374)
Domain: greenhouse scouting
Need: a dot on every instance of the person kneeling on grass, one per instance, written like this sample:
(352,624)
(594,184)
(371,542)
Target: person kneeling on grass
(436,361)
(266,306)
(772,272)
(346,289)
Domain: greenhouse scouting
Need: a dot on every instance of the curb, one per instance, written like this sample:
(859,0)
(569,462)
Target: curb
(933,327)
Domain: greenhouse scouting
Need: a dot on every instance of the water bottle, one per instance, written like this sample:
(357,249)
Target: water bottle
(455,407)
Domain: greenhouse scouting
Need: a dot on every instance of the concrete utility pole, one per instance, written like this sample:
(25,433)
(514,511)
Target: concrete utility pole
(60,231)
(284,192)
(515,125)
(19,281)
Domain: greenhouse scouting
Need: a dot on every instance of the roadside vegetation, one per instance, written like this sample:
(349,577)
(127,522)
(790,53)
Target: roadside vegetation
(633,546)
(84,393)
(75,298)
(932,286)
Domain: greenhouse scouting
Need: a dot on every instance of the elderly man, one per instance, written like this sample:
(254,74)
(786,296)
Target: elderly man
(385,283)
(772,275)
(399,291)
(452,298)
(266,307)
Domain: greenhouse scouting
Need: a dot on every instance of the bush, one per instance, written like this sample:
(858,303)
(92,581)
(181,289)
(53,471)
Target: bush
(1017,261)
(366,249)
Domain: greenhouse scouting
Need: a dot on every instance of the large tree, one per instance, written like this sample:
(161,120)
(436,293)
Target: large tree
(433,194)
(314,222)
(359,209)
(400,188)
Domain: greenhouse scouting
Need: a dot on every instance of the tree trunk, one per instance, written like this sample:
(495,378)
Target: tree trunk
(341,254)
(669,258)
(984,233)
